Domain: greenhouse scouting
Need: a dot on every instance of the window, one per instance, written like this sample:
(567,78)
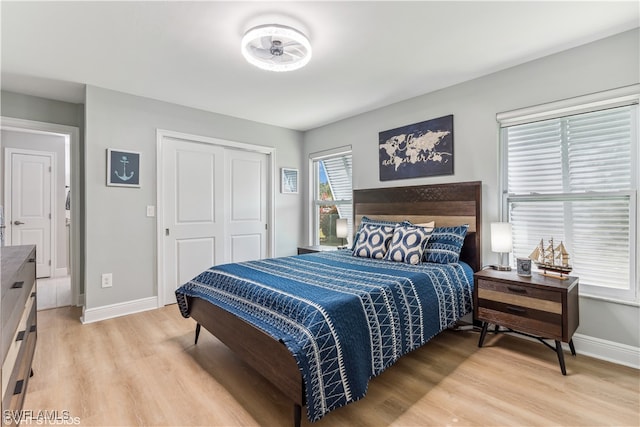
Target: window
(332,196)
(574,179)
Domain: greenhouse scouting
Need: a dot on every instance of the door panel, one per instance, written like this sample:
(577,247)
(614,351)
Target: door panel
(191,255)
(30,214)
(193,221)
(246,248)
(195,171)
(246,234)
(246,200)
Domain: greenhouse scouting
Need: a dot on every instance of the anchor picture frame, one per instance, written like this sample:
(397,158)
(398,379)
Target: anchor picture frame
(123,168)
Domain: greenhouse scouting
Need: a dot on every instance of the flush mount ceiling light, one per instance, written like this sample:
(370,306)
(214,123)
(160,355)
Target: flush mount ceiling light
(276,48)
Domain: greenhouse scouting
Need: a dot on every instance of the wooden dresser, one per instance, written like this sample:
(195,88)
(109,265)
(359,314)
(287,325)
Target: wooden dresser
(539,306)
(18,317)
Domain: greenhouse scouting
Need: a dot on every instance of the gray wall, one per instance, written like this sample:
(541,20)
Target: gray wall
(48,143)
(120,239)
(41,109)
(602,65)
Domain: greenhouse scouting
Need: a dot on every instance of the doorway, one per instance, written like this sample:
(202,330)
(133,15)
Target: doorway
(30,148)
(215,201)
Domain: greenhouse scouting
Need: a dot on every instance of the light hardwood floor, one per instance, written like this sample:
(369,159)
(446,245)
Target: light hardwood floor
(143,369)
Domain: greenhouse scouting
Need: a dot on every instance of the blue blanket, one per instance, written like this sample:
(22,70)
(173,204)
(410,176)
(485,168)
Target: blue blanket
(345,319)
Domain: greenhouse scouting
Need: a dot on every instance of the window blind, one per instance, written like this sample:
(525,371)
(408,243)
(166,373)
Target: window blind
(573,179)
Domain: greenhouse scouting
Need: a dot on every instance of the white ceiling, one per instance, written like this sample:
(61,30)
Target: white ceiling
(365,54)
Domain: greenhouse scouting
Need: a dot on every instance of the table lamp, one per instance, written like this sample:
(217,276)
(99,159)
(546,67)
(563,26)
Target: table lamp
(501,242)
(341,230)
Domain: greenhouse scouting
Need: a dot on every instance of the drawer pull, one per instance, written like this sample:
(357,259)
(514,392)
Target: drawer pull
(17,285)
(517,290)
(18,388)
(33,294)
(516,309)
(32,260)
(20,336)
(32,328)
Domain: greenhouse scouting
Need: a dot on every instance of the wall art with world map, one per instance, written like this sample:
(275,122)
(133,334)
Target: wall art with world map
(417,150)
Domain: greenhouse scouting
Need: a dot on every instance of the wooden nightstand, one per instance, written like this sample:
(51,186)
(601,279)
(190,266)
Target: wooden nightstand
(315,248)
(539,306)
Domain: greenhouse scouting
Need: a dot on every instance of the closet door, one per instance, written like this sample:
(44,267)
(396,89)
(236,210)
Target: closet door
(193,211)
(245,205)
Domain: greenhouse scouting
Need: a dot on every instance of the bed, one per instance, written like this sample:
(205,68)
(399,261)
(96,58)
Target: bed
(319,326)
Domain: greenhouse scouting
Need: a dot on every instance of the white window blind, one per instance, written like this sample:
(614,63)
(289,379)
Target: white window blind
(574,179)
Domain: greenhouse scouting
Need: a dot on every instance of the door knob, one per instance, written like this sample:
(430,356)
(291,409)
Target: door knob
(18,222)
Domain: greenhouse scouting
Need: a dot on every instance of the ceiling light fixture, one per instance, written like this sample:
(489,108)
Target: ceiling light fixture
(276,48)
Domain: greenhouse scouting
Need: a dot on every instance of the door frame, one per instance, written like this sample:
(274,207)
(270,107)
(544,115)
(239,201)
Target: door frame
(161,135)
(8,195)
(73,134)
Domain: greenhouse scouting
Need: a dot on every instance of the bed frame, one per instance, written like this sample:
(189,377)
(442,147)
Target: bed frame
(446,204)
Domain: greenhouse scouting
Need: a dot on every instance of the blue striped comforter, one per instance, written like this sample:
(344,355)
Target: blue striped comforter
(345,319)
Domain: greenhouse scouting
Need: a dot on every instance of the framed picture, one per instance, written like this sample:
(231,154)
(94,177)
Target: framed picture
(417,150)
(123,168)
(289,180)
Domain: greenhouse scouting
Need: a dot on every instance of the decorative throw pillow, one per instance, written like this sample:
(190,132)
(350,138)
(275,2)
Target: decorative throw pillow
(366,220)
(445,244)
(408,244)
(373,241)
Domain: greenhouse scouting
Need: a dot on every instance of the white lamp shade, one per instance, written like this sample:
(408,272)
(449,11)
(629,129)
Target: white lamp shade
(341,228)
(501,240)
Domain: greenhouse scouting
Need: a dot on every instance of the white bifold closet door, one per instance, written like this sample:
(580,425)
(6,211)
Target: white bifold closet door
(214,208)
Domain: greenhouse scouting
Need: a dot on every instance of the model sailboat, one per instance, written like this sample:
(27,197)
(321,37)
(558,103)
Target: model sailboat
(551,259)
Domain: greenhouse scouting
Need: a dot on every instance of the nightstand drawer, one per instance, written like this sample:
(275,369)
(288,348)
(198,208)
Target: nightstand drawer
(534,322)
(517,290)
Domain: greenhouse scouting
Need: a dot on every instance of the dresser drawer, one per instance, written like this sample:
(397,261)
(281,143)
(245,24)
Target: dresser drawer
(18,281)
(19,337)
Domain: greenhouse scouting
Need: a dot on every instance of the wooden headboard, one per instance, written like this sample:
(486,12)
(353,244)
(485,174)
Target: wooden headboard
(446,204)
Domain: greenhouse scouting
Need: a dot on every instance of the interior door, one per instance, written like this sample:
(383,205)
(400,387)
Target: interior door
(246,199)
(30,215)
(193,210)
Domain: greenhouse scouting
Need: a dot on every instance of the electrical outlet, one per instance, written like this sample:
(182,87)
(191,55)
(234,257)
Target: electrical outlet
(107,280)
(151,211)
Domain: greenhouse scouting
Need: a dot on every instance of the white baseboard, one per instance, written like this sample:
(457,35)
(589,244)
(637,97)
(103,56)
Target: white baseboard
(598,348)
(610,351)
(80,301)
(97,314)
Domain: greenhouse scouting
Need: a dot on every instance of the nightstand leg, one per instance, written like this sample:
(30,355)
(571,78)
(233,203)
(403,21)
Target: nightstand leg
(573,349)
(560,357)
(485,326)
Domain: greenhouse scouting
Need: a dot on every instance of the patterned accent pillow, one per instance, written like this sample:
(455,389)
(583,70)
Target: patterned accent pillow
(373,241)
(408,244)
(445,244)
(366,220)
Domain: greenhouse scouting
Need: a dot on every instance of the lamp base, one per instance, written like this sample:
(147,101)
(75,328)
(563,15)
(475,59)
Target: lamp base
(501,267)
